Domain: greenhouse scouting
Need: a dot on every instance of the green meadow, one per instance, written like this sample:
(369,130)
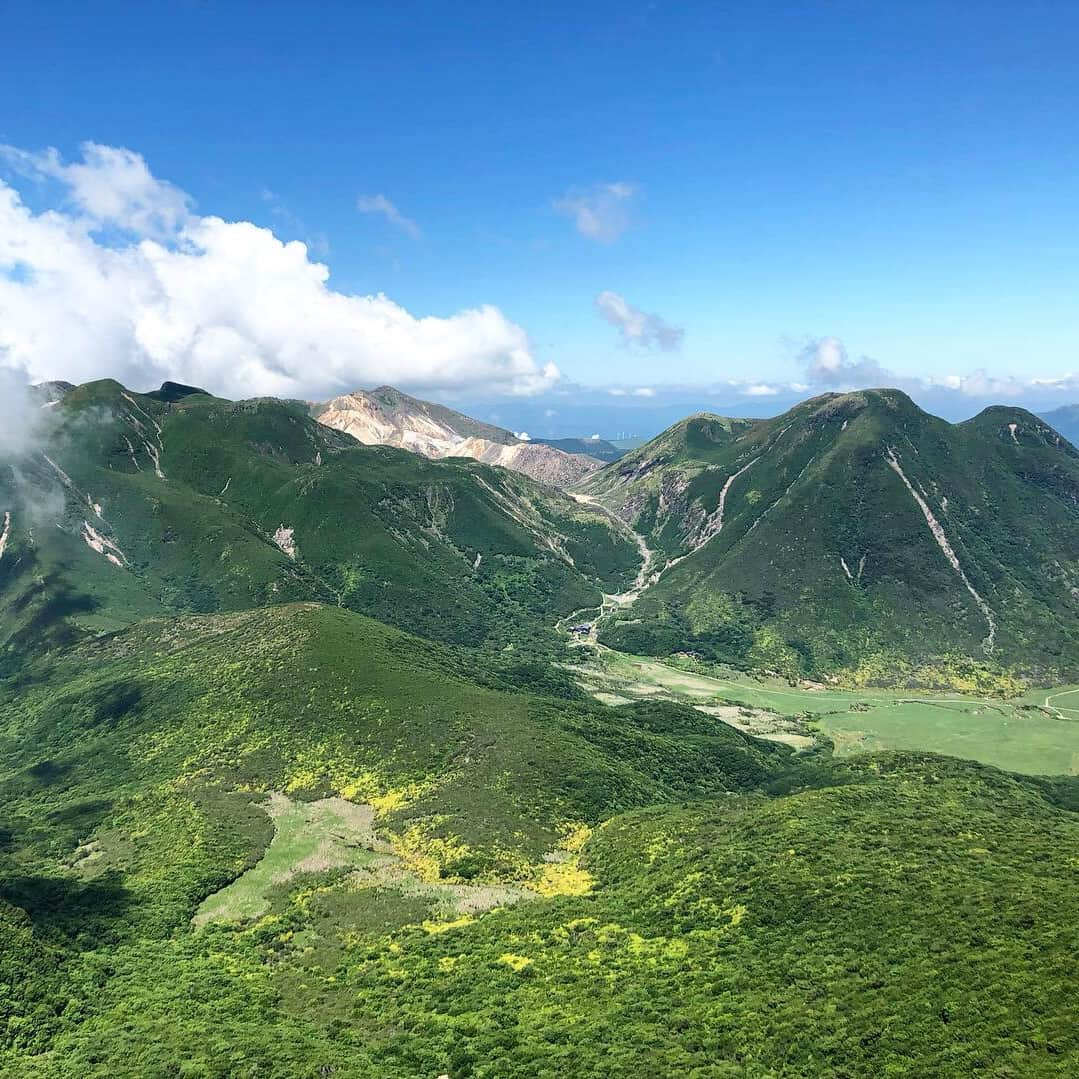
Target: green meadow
(1036,733)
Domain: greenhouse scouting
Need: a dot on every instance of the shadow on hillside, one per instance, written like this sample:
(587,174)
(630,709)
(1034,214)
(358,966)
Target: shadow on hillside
(85,913)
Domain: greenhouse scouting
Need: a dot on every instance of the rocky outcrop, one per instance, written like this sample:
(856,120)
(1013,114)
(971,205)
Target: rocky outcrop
(387,417)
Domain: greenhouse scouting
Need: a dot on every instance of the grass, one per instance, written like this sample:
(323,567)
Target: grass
(309,837)
(1021,735)
(1002,735)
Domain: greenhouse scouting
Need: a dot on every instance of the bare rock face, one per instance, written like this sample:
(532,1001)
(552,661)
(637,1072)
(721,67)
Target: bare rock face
(543,463)
(387,417)
(369,421)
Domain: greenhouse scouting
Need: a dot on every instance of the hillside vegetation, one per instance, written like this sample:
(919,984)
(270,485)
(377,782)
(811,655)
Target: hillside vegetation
(896,913)
(856,534)
(126,505)
(297,779)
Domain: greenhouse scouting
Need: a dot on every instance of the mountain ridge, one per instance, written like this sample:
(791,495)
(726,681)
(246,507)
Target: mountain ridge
(386,416)
(777,537)
(125,505)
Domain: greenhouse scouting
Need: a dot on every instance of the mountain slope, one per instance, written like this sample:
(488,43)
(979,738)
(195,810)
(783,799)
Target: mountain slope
(127,505)
(388,417)
(855,532)
(262,834)
(658,894)
(1065,420)
(599,448)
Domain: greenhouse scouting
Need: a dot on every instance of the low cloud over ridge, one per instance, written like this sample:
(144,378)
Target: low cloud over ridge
(122,278)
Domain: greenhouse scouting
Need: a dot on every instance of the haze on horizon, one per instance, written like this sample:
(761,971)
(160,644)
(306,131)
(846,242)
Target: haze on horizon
(585,220)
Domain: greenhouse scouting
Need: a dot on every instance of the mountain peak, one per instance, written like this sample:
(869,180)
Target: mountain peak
(386,416)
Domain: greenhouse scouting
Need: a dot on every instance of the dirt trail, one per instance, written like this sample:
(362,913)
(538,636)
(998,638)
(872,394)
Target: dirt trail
(612,601)
(1056,696)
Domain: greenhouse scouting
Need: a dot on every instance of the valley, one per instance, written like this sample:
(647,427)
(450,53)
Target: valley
(320,757)
(539,541)
(1023,734)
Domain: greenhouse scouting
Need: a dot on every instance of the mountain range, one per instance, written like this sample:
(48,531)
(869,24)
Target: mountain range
(127,505)
(854,536)
(300,775)
(1065,420)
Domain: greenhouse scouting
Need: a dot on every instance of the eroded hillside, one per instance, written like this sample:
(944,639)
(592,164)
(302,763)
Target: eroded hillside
(387,417)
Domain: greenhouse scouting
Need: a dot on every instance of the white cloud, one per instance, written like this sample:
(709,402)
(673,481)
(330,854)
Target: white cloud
(110,186)
(600,212)
(225,305)
(982,384)
(287,222)
(379,204)
(636,391)
(637,327)
(828,365)
(760,389)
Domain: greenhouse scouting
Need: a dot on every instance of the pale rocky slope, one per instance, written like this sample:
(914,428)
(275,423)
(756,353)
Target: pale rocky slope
(388,417)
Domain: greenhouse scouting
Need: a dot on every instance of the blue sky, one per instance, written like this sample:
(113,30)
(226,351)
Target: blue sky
(747,180)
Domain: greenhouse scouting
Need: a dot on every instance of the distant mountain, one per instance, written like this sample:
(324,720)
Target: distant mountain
(1065,420)
(389,417)
(592,447)
(128,505)
(854,533)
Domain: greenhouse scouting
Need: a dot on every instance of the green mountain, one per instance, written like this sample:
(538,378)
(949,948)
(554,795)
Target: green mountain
(295,780)
(855,533)
(125,505)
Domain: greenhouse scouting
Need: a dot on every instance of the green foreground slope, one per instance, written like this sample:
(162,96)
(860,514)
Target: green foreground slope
(889,914)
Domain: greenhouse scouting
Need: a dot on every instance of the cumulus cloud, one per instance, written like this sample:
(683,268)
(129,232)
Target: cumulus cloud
(222,304)
(983,384)
(600,212)
(110,186)
(637,327)
(379,204)
(827,364)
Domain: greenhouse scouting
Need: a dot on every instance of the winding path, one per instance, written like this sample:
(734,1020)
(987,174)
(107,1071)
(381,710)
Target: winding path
(612,601)
(1055,696)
